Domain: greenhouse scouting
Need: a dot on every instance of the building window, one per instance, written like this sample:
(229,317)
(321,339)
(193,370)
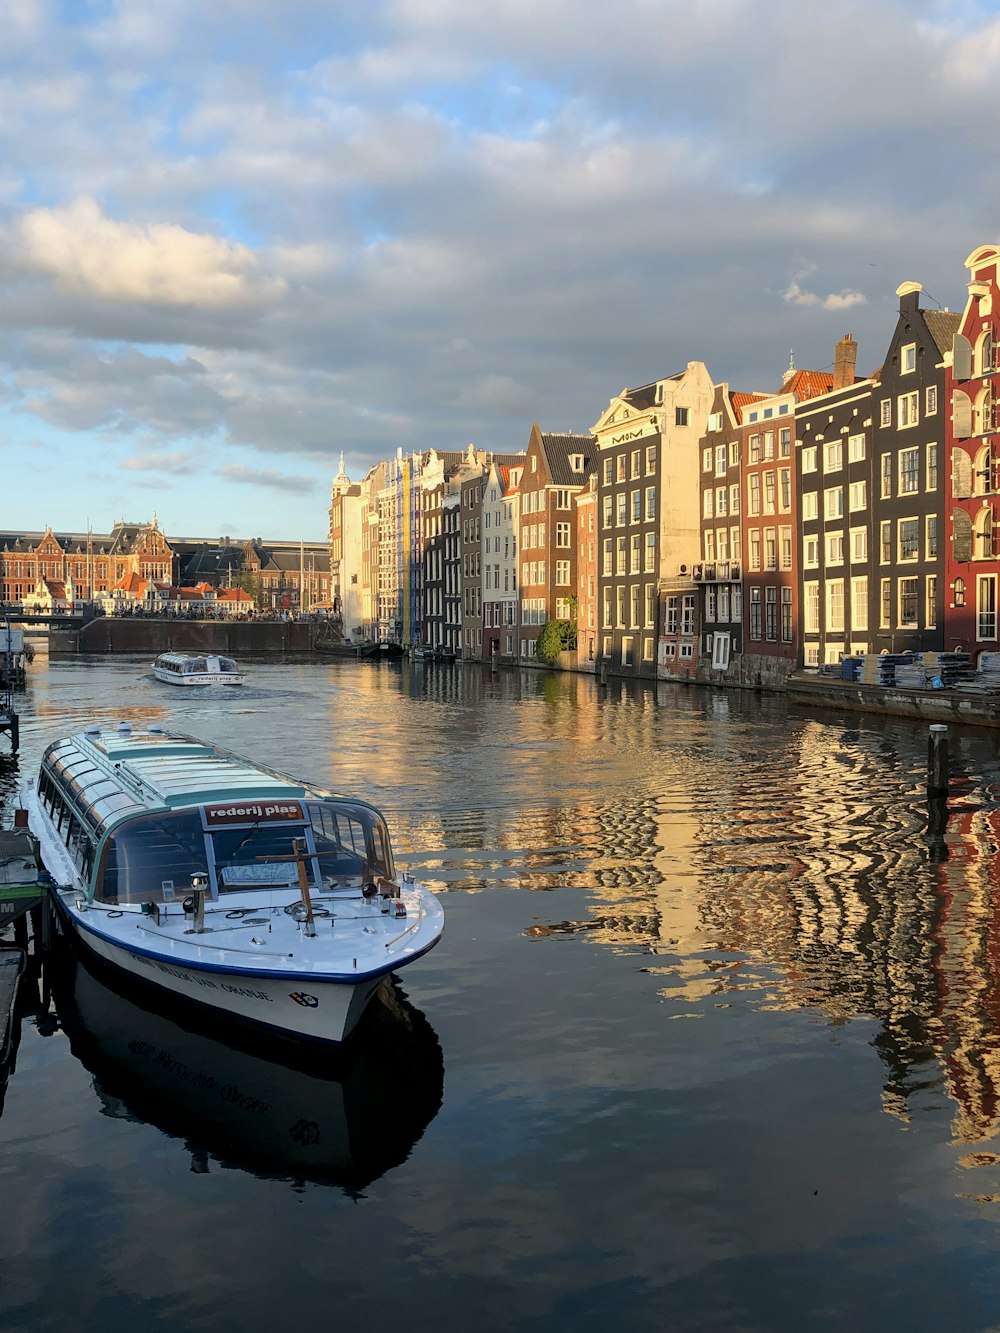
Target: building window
(635,503)
(960,592)
(809,460)
(785,489)
(932,467)
(907,409)
(562,534)
(885,417)
(908,603)
(811,609)
(650,502)
(562,573)
(753,496)
(768,492)
(786,548)
(755,613)
(720,460)
(706,459)
(885,603)
(680,416)
(771,615)
(649,563)
(859,603)
(650,459)
(908,359)
(833,456)
(985,534)
(810,503)
(734,499)
(930,601)
(671,621)
(835,606)
(930,400)
(886,476)
(786,615)
(909,539)
(856,448)
(931,536)
(687,614)
(810,552)
(859,545)
(754,448)
(858,495)
(834,548)
(833,502)
(909,471)
(785,442)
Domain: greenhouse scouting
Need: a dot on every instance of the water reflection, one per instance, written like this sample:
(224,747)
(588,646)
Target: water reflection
(265,1106)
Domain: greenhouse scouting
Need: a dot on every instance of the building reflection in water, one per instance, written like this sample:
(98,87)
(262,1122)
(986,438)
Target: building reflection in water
(750,856)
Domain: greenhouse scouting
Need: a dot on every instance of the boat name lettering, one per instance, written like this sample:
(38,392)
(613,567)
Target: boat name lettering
(249,994)
(235,813)
(230,1094)
(174,972)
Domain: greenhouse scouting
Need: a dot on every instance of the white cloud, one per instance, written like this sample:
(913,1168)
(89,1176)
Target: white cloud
(86,253)
(796,295)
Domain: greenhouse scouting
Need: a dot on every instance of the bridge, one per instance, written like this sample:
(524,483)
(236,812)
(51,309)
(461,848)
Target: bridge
(16,616)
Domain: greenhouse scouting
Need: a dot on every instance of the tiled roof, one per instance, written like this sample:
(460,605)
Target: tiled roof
(942,325)
(742,400)
(808,384)
(558,451)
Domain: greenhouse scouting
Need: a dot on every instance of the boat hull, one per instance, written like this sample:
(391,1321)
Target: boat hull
(198,678)
(295,1004)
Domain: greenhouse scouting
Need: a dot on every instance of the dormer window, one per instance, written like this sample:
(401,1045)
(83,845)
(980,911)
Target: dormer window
(576,462)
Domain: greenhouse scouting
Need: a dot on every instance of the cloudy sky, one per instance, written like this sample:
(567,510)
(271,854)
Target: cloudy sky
(238,238)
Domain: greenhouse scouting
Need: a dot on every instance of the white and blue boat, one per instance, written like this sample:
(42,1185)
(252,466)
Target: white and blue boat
(223,882)
(197,669)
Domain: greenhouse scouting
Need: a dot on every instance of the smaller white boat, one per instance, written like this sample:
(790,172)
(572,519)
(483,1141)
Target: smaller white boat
(197,669)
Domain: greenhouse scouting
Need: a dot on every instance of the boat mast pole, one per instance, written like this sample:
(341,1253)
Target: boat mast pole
(301,855)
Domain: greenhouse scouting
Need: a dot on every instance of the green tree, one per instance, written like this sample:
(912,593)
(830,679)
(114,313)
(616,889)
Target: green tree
(556,637)
(250,583)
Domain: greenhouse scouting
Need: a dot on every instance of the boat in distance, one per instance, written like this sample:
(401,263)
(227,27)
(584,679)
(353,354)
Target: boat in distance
(264,899)
(177,668)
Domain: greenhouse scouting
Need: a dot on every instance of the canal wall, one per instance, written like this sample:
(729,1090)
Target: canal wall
(237,638)
(946,706)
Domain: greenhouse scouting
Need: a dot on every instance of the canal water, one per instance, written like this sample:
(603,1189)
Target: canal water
(712,1041)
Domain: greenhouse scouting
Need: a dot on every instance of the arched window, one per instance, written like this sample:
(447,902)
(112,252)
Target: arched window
(961,525)
(985,541)
(986,352)
(982,477)
(960,592)
(961,474)
(985,411)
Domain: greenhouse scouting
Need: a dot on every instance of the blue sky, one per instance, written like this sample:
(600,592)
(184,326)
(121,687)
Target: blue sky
(239,239)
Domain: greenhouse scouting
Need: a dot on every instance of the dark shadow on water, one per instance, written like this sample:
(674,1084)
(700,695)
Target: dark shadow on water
(239,1099)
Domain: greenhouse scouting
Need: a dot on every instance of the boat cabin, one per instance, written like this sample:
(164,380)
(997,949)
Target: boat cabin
(140,817)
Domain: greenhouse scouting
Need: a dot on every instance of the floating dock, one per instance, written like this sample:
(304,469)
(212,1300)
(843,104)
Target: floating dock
(21,893)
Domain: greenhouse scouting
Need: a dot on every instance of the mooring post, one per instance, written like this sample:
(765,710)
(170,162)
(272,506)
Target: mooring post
(937,759)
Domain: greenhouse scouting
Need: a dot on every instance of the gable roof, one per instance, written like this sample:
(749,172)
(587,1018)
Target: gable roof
(559,449)
(807,384)
(942,325)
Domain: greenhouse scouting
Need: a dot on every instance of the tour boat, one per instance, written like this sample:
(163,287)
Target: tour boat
(263,898)
(197,669)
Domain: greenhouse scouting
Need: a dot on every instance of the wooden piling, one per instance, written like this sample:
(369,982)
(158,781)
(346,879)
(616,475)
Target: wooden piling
(937,759)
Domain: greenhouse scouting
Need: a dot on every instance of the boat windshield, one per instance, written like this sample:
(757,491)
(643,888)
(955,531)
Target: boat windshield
(151,858)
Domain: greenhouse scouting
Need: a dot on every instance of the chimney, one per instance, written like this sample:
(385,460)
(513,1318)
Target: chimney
(844,361)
